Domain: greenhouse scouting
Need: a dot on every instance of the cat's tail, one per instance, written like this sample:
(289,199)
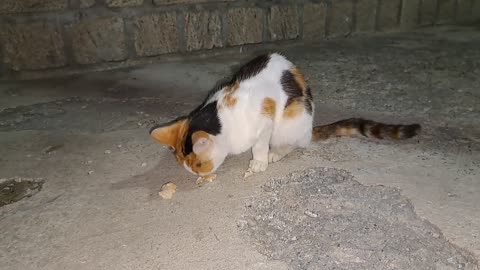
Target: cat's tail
(367,128)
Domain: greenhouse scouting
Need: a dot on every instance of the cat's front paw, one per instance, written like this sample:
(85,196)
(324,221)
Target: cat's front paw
(255,166)
(274,157)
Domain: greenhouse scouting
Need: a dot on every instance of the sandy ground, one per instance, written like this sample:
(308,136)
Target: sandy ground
(86,137)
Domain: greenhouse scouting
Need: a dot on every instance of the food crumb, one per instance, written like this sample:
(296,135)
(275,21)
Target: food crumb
(206,179)
(167,191)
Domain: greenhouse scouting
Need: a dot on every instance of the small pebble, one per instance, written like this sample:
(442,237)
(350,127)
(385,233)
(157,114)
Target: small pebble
(119,146)
(251,222)
(89,161)
(310,214)
(144,164)
(242,224)
(90,172)
(51,148)
(108,152)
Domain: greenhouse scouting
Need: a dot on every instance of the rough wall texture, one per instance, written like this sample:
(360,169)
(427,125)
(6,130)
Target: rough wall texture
(77,35)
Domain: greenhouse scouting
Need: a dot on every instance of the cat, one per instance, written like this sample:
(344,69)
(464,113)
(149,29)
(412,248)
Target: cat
(267,106)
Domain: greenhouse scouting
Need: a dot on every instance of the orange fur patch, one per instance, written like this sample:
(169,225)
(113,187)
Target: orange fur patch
(171,135)
(174,136)
(199,134)
(398,133)
(229,99)
(268,107)
(346,131)
(299,78)
(198,165)
(294,109)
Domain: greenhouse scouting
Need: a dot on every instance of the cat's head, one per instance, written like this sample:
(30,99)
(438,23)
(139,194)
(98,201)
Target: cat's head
(195,150)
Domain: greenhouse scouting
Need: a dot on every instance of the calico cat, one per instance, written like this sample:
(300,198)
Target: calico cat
(266,106)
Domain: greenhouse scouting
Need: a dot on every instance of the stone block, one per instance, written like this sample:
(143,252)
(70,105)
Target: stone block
(123,3)
(446,11)
(203,30)
(389,13)
(314,17)
(341,18)
(428,11)
(16,6)
(245,26)
(82,3)
(476,10)
(410,11)
(171,2)
(156,34)
(366,12)
(32,46)
(98,40)
(464,11)
(86,3)
(283,23)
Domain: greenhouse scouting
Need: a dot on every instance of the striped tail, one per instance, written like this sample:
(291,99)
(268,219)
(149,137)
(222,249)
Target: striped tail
(367,128)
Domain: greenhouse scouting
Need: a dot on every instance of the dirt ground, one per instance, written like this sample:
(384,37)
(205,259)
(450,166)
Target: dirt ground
(85,139)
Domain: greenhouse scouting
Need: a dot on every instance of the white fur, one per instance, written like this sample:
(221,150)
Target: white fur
(244,127)
(202,145)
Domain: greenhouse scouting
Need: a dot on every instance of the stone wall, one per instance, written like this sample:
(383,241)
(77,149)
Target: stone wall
(41,36)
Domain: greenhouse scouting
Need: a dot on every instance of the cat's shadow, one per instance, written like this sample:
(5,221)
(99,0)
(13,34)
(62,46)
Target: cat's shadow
(166,170)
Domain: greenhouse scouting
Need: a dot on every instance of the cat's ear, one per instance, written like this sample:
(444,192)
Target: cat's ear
(169,133)
(202,142)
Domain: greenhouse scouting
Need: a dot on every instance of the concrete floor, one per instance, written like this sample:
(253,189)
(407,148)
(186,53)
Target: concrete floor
(87,138)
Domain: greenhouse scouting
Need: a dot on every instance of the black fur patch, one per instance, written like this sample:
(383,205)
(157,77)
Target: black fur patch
(291,87)
(252,68)
(410,131)
(362,126)
(309,100)
(202,119)
(376,131)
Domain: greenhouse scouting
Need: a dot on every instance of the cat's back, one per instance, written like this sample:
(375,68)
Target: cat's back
(253,81)
(261,77)
(267,68)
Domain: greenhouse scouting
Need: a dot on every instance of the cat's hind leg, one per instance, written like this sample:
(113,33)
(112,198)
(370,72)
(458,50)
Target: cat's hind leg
(259,163)
(278,152)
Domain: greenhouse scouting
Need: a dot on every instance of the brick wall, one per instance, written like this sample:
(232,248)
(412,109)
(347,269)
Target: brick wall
(76,35)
